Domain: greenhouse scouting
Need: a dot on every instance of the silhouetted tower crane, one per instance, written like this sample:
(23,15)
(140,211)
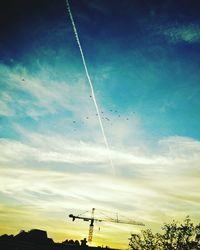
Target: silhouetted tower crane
(92,219)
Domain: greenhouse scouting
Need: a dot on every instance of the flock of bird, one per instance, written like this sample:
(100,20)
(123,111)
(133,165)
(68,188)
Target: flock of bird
(102,114)
(103,117)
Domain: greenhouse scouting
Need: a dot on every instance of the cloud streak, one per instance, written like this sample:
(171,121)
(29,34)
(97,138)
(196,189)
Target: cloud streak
(49,170)
(189,33)
(158,195)
(91,87)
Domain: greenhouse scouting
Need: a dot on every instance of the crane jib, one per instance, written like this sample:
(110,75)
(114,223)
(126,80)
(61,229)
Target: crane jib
(92,219)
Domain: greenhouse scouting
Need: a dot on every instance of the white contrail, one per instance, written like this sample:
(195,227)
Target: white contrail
(91,85)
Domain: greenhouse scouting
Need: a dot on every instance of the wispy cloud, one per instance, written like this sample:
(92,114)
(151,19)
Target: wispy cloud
(189,33)
(67,167)
(57,149)
(45,94)
(148,187)
(39,97)
(142,167)
(5,102)
(163,192)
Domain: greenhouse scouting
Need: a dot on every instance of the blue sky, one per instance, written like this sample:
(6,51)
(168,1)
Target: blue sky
(143,59)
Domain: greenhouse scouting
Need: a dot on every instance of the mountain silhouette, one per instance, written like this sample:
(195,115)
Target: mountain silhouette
(37,239)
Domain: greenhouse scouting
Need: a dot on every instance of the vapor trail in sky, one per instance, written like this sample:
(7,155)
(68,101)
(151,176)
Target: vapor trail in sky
(91,85)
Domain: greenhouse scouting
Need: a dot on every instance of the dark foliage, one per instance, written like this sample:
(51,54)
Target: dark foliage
(175,236)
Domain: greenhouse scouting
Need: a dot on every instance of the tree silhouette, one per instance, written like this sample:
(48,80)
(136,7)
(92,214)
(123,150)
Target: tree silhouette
(175,236)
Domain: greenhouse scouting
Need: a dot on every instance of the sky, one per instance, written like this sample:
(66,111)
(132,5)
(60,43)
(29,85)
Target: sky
(143,60)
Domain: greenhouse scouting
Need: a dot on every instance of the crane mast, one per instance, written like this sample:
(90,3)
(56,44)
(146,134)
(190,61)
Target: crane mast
(92,219)
(90,235)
